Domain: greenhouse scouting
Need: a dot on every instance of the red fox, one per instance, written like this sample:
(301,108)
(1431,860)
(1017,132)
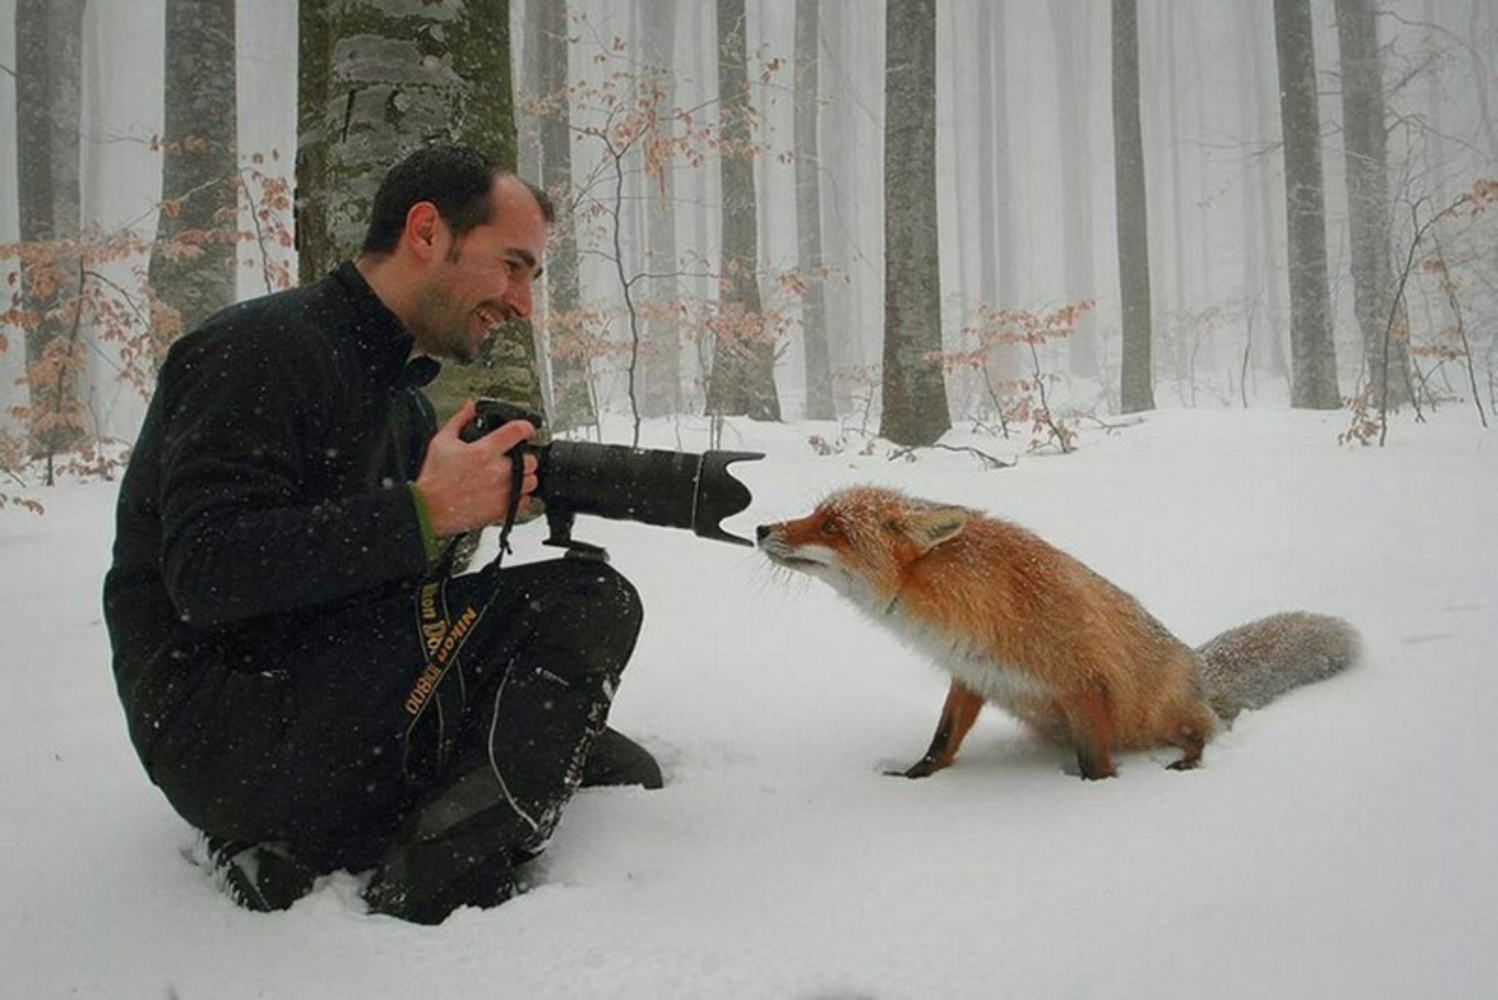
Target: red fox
(1020,623)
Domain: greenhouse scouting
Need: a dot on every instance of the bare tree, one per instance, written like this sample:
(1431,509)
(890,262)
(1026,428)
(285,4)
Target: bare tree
(915,408)
(1069,20)
(743,376)
(661,364)
(1313,353)
(1363,132)
(1136,389)
(199,186)
(49,45)
(809,213)
(572,399)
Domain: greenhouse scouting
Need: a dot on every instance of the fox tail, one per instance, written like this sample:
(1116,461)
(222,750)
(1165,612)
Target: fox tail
(1251,665)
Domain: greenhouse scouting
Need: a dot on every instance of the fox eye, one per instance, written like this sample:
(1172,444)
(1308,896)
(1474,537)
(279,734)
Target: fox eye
(830,527)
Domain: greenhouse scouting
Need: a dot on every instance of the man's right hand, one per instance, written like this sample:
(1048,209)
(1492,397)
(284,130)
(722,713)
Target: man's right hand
(466,485)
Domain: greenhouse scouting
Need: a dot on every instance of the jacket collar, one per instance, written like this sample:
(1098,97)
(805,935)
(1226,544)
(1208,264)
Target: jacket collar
(381,339)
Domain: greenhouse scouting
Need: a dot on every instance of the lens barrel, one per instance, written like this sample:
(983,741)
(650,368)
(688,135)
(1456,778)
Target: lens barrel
(671,489)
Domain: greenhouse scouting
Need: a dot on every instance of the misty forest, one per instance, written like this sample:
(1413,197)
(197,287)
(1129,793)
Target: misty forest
(1016,218)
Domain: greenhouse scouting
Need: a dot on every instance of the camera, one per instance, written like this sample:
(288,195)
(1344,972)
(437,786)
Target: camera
(671,489)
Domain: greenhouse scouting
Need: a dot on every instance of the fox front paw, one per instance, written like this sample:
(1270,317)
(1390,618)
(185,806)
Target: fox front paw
(923,768)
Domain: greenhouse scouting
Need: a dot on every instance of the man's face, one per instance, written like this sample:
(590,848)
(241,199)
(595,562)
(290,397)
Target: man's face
(483,278)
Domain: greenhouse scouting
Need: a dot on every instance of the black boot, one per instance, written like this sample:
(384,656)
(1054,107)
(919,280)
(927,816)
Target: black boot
(615,759)
(461,847)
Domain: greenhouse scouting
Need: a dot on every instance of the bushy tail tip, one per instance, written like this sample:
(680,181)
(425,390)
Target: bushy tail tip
(1250,666)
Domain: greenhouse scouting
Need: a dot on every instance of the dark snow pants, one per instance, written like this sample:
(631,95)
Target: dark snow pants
(467,708)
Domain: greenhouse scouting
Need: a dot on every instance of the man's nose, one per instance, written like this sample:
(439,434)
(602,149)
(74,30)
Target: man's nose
(518,297)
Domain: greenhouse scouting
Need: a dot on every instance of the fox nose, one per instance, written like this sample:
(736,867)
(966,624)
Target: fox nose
(762,531)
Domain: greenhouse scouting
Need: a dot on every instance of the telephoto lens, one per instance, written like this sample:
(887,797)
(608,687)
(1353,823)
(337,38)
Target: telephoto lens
(670,489)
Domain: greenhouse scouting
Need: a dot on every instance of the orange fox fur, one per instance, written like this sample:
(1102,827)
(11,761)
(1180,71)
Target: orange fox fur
(1020,623)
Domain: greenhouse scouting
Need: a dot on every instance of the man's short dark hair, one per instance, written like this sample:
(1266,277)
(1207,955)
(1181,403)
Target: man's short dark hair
(457,179)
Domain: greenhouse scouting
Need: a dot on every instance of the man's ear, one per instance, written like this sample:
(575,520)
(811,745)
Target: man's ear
(424,229)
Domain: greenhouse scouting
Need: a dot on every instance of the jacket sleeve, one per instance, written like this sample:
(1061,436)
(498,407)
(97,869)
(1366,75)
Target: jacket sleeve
(249,430)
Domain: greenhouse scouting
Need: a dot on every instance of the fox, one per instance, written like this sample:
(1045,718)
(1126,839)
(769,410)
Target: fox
(1021,624)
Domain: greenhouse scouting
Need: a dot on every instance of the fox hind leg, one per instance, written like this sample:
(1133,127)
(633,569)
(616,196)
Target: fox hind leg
(958,714)
(1090,717)
(1191,734)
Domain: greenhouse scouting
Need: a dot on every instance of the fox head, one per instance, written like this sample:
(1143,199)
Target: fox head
(860,539)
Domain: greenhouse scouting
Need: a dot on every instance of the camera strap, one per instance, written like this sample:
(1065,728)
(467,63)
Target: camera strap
(444,634)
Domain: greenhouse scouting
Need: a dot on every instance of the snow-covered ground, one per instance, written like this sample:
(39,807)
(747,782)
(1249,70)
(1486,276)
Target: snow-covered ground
(1341,843)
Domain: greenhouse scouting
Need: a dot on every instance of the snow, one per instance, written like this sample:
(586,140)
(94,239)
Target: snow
(1342,842)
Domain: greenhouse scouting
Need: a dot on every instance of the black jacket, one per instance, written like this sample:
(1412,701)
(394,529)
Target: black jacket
(268,486)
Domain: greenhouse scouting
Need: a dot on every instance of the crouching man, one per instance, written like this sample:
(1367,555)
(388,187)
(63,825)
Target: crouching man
(299,678)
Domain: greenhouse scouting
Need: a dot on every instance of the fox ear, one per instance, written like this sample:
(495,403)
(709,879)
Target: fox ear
(930,528)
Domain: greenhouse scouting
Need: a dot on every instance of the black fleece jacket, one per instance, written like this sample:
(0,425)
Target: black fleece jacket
(269,485)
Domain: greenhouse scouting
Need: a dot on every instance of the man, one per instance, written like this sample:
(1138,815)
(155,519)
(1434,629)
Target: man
(300,679)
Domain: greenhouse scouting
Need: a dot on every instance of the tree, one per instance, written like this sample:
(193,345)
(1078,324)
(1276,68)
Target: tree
(661,363)
(1136,387)
(809,213)
(49,42)
(379,79)
(743,376)
(199,186)
(1069,21)
(1365,146)
(572,399)
(1313,353)
(915,408)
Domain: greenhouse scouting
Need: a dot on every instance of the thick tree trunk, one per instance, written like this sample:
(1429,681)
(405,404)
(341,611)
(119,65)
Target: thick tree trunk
(199,186)
(1136,386)
(1313,373)
(400,75)
(915,408)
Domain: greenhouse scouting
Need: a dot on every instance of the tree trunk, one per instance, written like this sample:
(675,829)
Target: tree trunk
(1368,199)
(915,399)
(199,184)
(49,43)
(399,75)
(1313,354)
(571,390)
(809,214)
(840,154)
(1136,386)
(662,358)
(743,377)
(1069,20)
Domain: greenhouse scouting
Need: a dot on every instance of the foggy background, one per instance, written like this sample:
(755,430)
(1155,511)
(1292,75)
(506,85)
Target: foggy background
(1210,116)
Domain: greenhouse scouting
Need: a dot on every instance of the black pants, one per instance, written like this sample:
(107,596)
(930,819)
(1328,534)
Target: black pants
(355,738)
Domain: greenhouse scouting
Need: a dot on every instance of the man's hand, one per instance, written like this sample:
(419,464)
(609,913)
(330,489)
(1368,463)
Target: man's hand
(466,485)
